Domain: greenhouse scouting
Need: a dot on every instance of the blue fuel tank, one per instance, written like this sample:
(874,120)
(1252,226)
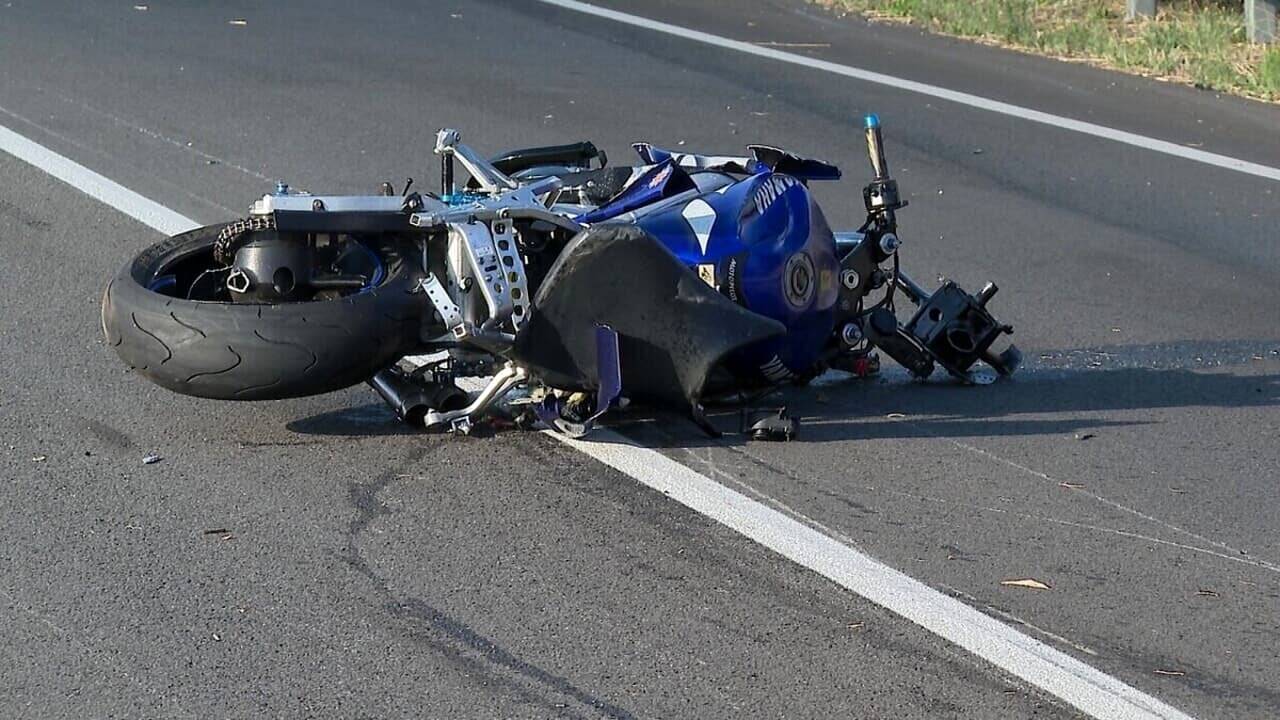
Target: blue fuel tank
(765,244)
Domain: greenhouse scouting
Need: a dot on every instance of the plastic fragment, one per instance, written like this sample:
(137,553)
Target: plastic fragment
(151,459)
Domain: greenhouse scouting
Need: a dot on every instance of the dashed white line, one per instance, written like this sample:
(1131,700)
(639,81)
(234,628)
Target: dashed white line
(960,98)
(1082,686)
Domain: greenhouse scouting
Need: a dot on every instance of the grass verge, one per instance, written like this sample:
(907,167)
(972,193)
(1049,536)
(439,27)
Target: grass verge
(1199,42)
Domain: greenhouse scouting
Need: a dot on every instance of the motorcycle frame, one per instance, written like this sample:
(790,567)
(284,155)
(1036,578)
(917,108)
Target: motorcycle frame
(479,252)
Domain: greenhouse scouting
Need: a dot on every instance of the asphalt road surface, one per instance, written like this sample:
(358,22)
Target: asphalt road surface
(313,558)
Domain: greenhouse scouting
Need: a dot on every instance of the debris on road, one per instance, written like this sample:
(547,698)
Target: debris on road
(1175,673)
(1207,593)
(1071,485)
(1085,436)
(39,458)
(770,426)
(216,531)
(238,22)
(151,459)
(1028,583)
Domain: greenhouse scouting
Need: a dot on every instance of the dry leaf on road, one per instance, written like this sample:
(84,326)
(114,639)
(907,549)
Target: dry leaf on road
(1028,583)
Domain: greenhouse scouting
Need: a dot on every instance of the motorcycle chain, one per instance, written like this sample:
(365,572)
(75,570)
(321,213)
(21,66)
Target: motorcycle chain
(234,235)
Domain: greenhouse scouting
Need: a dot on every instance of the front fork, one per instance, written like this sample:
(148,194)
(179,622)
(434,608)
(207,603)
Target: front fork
(951,327)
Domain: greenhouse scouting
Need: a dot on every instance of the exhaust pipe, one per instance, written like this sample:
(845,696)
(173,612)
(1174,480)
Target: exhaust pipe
(412,400)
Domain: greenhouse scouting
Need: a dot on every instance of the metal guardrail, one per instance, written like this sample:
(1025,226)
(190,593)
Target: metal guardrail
(1259,17)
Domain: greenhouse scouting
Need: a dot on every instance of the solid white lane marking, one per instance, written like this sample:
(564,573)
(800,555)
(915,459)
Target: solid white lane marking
(960,98)
(94,185)
(1088,689)
(1020,655)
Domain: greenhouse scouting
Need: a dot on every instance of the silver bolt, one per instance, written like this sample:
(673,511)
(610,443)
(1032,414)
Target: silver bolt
(851,334)
(889,243)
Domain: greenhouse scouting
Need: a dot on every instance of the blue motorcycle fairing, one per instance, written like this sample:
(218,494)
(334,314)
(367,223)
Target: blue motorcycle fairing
(742,165)
(763,243)
(663,180)
(763,159)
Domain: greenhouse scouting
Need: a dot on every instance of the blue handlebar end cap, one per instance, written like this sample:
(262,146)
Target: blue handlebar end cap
(871,121)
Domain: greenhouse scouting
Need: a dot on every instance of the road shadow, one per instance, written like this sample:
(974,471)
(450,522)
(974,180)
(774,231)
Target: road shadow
(373,419)
(1058,393)
(1064,389)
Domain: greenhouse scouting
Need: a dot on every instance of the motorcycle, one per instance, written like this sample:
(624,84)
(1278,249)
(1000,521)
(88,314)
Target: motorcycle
(569,284)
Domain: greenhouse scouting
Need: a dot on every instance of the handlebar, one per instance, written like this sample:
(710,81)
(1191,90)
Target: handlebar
(875,147)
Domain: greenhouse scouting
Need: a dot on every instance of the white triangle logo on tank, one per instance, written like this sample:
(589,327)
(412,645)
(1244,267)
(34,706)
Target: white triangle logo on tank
(701,218)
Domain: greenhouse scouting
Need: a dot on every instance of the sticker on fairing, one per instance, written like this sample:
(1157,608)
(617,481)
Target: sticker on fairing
(707,272)
(775,371)
(701,218)
(731,278)
(770,190)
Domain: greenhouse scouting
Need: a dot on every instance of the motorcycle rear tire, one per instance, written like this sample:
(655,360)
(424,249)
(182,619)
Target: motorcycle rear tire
(235,351)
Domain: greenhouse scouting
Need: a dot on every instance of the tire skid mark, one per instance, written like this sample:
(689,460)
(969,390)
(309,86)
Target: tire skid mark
(153,336)
(239,360)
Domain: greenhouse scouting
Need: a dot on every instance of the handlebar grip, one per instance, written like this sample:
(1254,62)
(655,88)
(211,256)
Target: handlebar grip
(875,147)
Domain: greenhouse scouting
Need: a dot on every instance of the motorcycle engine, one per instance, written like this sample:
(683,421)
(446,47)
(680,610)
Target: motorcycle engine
(271,268)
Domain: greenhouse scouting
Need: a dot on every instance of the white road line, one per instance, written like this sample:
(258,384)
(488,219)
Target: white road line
(1088,689)
(94,185)
(961,98)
